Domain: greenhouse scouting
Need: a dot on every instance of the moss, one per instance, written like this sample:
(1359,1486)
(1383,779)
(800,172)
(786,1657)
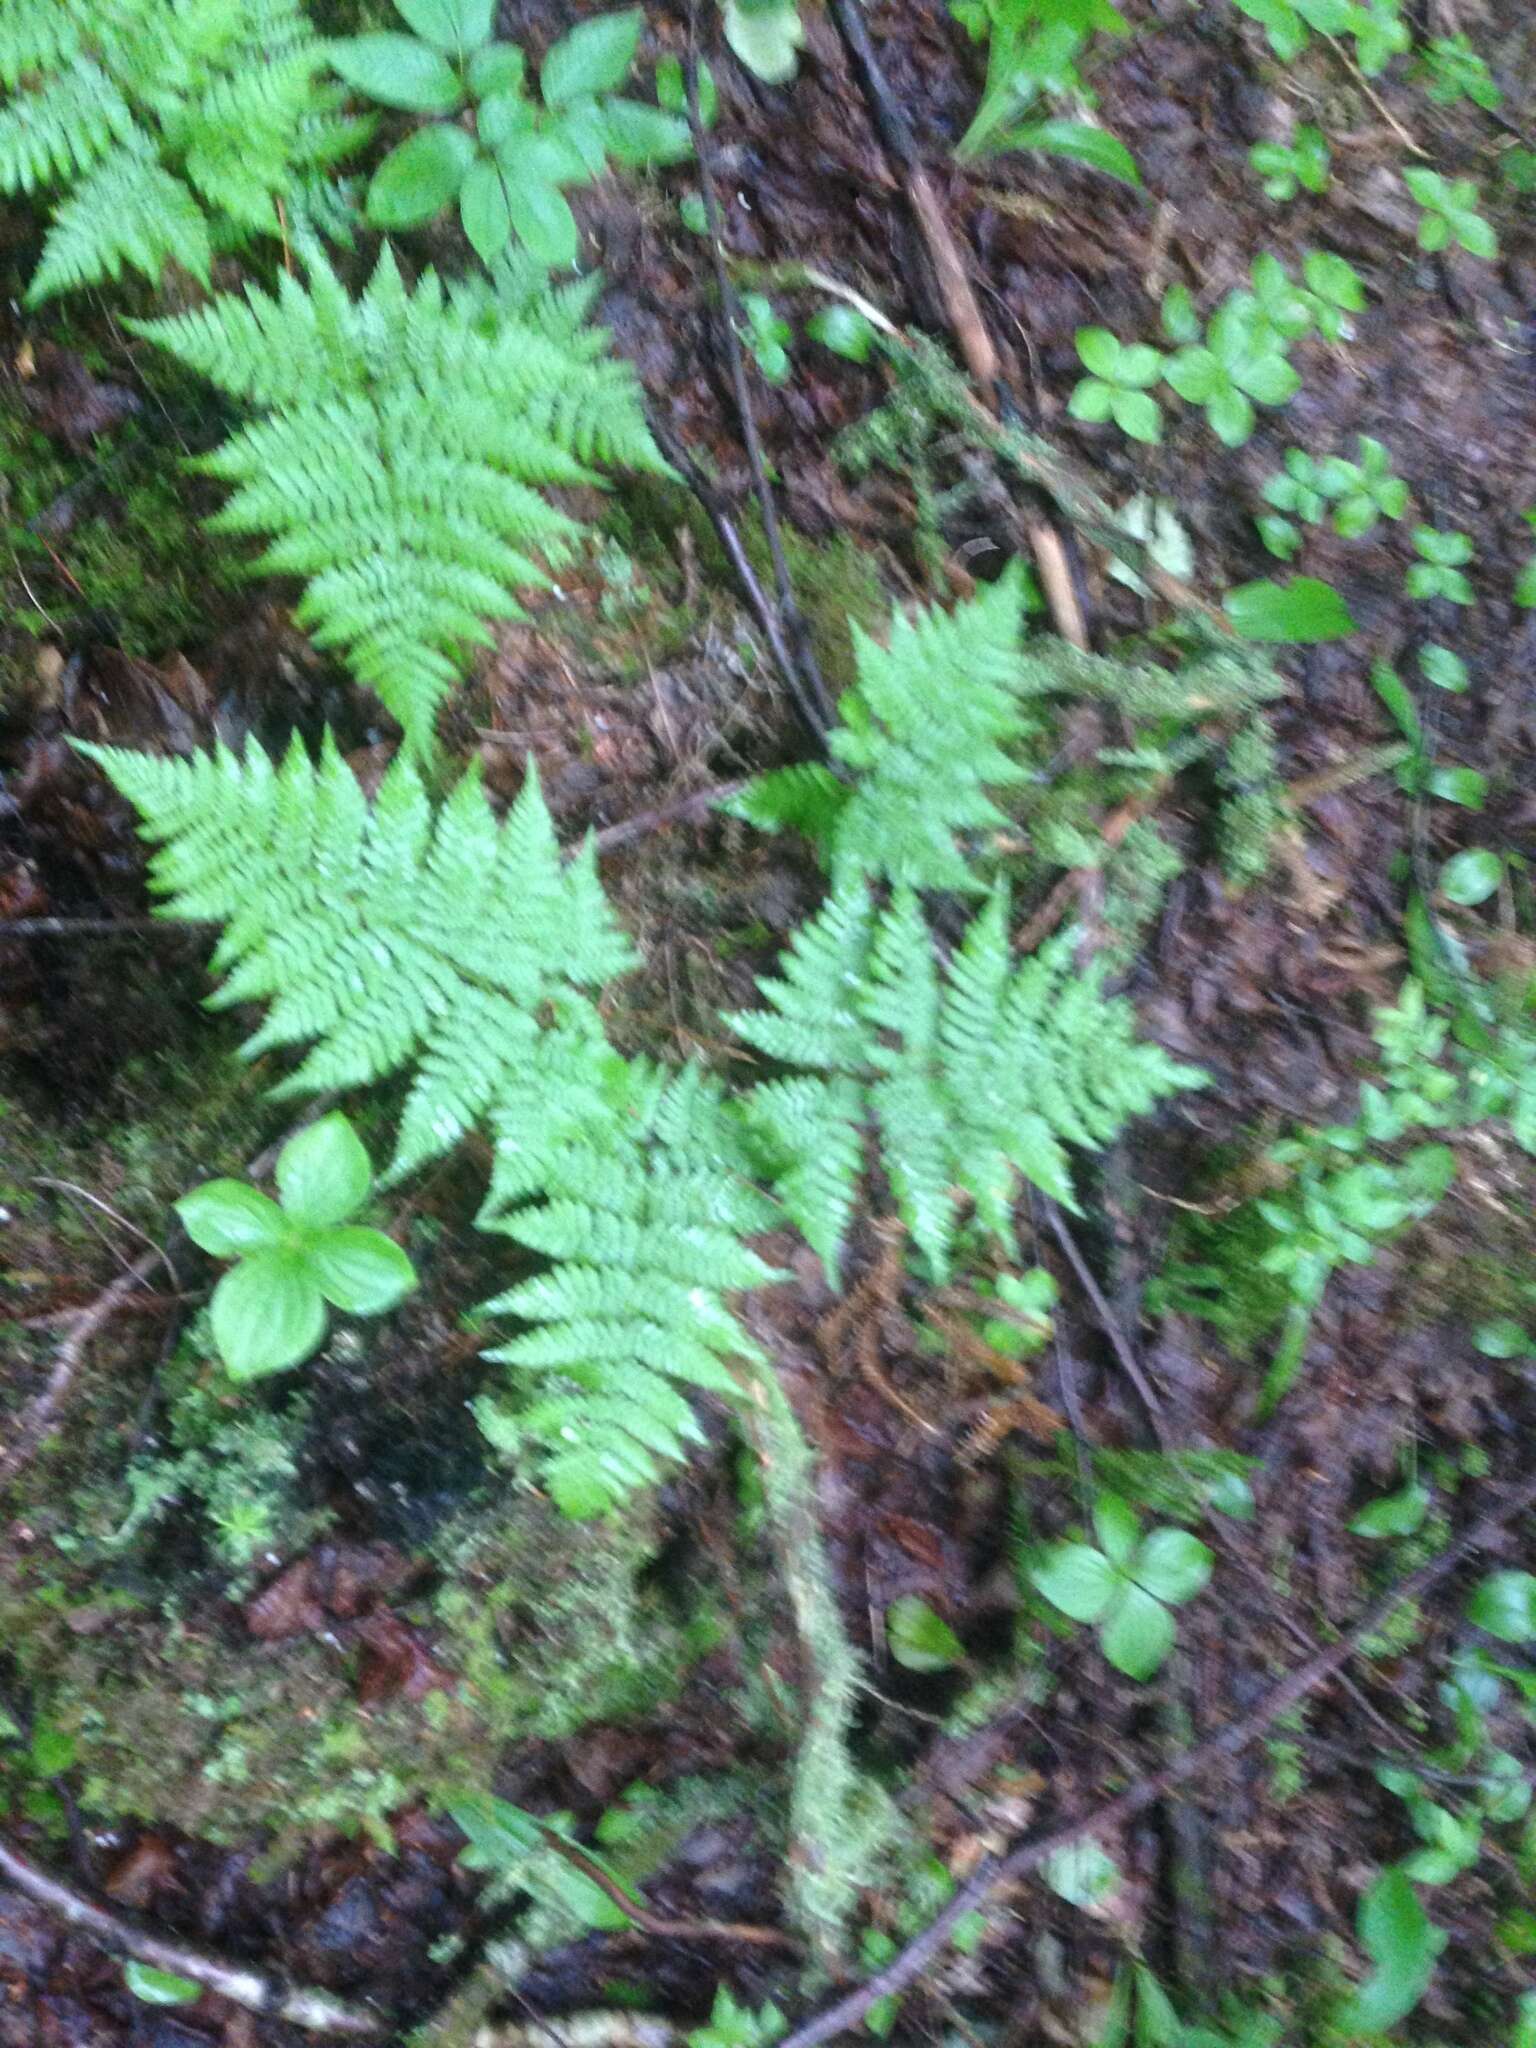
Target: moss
(128,562)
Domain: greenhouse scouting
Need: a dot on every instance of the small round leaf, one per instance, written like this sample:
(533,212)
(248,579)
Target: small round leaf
(1395,1514)
(1117,1526)
(1137,1634)
(1078,1579)
(1502,1338)
(1138,414)
(1173,1564)
(361,1271)
(1505,1605)
(1471,876)
(842,330)
(267,1314)
(920,1640)
(398,71)
(323,1173)
(1098,351)
(230,1219)
(419,178)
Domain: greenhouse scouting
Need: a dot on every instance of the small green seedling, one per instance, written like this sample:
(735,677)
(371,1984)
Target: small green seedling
(1452,69)
(508,169)
(1504,1605)
(1361,493)
(1377,27)
(1439,570)
(1443,667)
(920,1639)
(731,2025)
(1126,1585)
(845,331)
(1118,386)
(160,1987)
(1287,168)
(1403,1944)
(269,1310)
(1450,213)
(1301,613)
(1242,359)
(768,336)
(1471,876)
(1332,290)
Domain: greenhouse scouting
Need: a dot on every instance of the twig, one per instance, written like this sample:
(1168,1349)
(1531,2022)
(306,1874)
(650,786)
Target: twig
(1064,892)
(83,927)
(1376,99)
(238,1982)
(685,811)
(1028,1855)
(658,1923)
(1109,1322)
(962,309)
(812,697)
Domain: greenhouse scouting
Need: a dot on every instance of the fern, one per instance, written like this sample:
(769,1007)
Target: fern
(944,714)
(974,1075)
(396,458)
(178,124)
(396,937)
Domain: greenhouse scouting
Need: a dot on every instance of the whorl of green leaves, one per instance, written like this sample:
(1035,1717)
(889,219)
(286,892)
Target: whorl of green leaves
(398,454)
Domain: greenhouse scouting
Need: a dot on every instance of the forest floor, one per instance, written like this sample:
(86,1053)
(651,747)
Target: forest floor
(247,1750)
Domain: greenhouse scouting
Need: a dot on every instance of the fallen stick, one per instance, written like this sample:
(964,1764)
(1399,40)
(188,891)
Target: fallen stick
(238,1982)
(1028,1855)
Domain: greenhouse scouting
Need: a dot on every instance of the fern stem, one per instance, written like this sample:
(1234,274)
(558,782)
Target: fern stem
(826,1858)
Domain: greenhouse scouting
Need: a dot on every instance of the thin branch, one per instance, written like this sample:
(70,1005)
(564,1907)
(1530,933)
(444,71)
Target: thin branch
(658,1923)
(812,697)
(1109,1322)
(962,308)
(238,1982)
(85,927)
(1111,1814)
(686,810)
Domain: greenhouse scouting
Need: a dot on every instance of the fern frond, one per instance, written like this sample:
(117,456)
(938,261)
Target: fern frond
(63,127)
(385,935)
(37,36)
(976,1076)
(925,730)
(127,212)
(401,459)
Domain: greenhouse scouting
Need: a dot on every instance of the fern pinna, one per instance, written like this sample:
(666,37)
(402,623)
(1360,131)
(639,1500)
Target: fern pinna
(398,452)
(395,937)
(178,125)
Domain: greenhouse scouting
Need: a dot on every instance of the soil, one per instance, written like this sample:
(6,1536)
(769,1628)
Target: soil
(644,684)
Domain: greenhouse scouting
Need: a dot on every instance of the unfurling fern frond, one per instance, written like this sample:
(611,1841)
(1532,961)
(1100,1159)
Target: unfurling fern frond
(973,1075)
(398,462)
(399,937)
(177,123)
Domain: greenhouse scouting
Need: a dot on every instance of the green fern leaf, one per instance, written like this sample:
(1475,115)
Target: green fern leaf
(126,213)
(975,1077)
(63,127)
(401,460)
(37,36)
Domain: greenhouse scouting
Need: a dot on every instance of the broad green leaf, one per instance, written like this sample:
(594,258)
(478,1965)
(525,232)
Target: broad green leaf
(484,211)
(503,116)
(1395,1514)
(1502,1338)
(594,57)
(672,90)
(1138,414)
(844,331)
(1137,1633)
(1231,416)
(1333,279)
(159,1987)
(1181,322)
(1403,1943)
(1078,1579)
(361,1271)
(1173,1564)
(543,223)
(452,26)
(1525,586)
(498,68)
(1082,1873)
(1081,141)
(767,40)
(639,135)
(1091,400)
(323,1174)
(1463,786)
(1445,669)
(921,1640)
(1117,1526)
(1195,374)
(419,178)
(229,1218)
(398,71)
(1300,612)
(1099,352)
(1471,876)
(1505,1605)
(267,1314)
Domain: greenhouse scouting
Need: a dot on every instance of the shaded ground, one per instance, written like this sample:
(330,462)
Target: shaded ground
(392,1582)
